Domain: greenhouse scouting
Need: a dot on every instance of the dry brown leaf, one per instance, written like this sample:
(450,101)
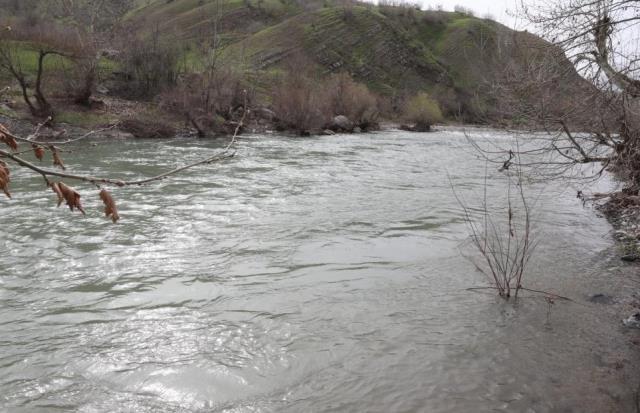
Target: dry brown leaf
(9,140)
(57,161)
(71,196)
(5,178)
(4,185)
(38,151)
(109,205)
(7,137)
(5,167)
(56,189)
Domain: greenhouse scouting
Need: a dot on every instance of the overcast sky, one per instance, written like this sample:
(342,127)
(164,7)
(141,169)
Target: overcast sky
(498,8)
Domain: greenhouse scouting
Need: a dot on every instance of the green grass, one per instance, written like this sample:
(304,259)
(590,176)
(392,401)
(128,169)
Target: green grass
(186,19)
(26,57)
(83,119)
(5,111)
(106,65)
(355,37)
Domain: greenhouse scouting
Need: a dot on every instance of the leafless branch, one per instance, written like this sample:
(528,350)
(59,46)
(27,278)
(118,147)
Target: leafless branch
(224,154)
(505,246)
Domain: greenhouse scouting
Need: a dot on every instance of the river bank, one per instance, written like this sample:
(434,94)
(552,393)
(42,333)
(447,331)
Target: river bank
(624,217)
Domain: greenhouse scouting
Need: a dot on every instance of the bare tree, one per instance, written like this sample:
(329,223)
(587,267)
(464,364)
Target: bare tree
(94,23)
(90,16)
(216,92)
(151,63)
(601,125)
(88,26)
(47,40)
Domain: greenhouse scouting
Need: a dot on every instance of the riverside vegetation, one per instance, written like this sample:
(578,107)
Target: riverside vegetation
(160,67)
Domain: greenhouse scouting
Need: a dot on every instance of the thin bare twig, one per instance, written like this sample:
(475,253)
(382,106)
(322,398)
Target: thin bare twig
(33,137)
(505,251)
(224,154)
(546,293)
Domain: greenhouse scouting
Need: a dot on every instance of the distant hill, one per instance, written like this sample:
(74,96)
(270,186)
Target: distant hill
(477,70)
(456,57)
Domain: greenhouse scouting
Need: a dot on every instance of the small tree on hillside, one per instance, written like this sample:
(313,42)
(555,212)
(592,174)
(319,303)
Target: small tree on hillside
(43,39)
(94,23)
(74,29)
(151,64)
(20,40)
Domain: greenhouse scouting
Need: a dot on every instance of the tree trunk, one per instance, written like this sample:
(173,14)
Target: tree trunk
(25,95)
(44,107)
(22,82)
(86,91)
(201,132)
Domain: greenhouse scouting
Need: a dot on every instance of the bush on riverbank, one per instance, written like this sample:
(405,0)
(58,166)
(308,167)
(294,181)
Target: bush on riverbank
(150,65)
(353,100)
(423,112)
(148,128)
(208,101)
(300,104)
(305,103)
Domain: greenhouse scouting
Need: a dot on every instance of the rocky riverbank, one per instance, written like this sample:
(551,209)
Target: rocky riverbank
(623,212)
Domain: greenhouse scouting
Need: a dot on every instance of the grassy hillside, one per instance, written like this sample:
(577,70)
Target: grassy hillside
(195,20)
(397,52)
(394,50)
(362,42)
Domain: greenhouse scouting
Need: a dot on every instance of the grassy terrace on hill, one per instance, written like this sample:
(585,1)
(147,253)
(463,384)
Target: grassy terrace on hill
(377,49)
(27,54)
(389,50)
(55,67)
(193,20)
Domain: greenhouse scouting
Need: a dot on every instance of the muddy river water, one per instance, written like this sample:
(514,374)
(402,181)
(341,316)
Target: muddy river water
(303,275)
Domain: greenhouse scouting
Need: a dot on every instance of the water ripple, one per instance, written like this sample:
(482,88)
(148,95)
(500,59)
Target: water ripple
(301,275)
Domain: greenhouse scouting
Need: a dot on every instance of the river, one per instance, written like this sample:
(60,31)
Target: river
(318,274)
